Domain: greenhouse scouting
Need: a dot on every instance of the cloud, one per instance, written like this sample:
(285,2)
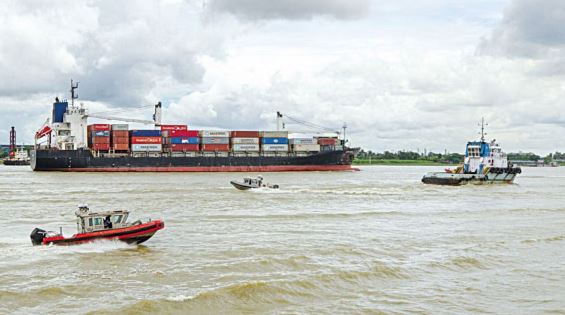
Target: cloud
(530,29)
(291,9)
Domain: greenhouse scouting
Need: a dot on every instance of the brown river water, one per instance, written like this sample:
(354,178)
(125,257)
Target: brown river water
(369,242)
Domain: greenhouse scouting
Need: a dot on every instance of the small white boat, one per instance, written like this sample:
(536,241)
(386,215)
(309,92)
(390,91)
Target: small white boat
(251,183)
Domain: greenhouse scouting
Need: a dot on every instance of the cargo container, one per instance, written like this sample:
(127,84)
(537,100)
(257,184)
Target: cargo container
(120,133)
(214,134)
(184,133)
(185,147)
(306,147)
(215,140)
(245,140)
(120,140)
(274,134)
(100,146)
(275,147)
(173,127)
(191,140)
(95,140)
(215,147)
(327,141)
(120,127)
(145,133)
(100,133)
(274,140)
(146,147)
(245,134)
(303,141)
(99,127)
(245,147)
(120,146)
(146,140)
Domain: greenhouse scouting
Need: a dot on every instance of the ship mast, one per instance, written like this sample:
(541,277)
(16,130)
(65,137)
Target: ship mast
(73,96)
(483,133)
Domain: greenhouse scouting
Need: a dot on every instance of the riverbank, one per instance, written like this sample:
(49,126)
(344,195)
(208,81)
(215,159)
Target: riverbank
(399,162)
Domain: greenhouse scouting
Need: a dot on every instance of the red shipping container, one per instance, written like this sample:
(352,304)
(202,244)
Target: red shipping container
(100,146)
(185,147)
(245,134)
(146,140)
(327,141)
(99,127)
(173,127)
(120,146)
(183,133)
(120,140)
(99,140)
(120,133)
(215,147)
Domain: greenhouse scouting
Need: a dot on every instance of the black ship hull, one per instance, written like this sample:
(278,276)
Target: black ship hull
(16,162)
(85,161)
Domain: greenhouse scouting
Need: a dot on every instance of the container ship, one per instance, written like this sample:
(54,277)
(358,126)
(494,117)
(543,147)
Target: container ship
(66,142)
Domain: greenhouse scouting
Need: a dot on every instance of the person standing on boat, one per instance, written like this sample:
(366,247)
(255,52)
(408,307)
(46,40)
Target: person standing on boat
(107,223)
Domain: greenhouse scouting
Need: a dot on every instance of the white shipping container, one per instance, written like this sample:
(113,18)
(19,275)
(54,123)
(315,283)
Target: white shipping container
(246,147)
(274,134)
(245,140)
(120,127)
(306,147)
(303,141)
(146,147)
(214,133)
(275,147)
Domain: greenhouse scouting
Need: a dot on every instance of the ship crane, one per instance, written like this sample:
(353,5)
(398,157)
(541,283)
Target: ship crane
(156,117)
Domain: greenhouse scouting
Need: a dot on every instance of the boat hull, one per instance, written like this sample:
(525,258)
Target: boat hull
(506,176)
(84,161)
(136,234)
(16,162)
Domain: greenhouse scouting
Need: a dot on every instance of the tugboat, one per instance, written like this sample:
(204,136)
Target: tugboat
(108,225)
(485,163)
(19,157)
(250,183)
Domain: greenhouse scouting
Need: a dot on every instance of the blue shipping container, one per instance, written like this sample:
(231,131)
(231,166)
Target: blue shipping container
(101,133)
(59,110)
(191,140)
(146,133)
(274,140)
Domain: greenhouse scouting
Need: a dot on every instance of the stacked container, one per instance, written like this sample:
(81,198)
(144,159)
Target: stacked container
(184,140)
(214,140)
(274,141)
(120,137)
(245,141)
(99,137)
(166,135)
(304,145)
(146,141)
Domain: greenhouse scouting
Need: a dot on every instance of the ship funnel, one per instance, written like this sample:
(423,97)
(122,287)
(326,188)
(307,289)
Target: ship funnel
(59,110)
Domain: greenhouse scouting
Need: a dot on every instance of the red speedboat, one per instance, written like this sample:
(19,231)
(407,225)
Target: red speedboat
(92,226)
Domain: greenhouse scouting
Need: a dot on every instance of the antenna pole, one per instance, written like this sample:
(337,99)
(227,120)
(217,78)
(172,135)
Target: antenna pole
(483,134)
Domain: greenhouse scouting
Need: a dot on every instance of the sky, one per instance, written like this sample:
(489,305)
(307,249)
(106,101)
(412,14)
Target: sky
(403,75)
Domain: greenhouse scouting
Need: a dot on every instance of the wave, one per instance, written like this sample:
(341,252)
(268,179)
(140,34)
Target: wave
(264,296)
(460,262)
(336,215)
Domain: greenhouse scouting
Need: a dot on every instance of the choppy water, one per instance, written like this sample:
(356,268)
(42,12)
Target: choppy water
(375,241)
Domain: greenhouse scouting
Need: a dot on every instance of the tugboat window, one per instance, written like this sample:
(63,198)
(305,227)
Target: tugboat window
(97,221)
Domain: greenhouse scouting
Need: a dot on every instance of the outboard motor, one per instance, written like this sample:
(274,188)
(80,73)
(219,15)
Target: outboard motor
(37,236)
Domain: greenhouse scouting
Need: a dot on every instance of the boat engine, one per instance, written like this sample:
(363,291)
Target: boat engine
(37,236)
